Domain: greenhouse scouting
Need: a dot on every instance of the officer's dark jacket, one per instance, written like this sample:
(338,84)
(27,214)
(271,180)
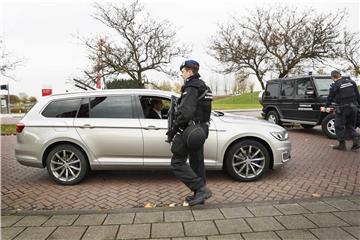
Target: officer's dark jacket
(343,91)
(190,107)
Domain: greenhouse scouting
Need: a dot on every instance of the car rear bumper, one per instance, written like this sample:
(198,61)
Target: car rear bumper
(27,158)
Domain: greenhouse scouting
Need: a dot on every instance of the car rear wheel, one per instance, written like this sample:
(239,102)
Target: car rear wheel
(247,160)
(307,126)
(328,126)
(66,164)
(273,116)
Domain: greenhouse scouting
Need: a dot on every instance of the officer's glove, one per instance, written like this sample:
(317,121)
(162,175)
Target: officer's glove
(171,134)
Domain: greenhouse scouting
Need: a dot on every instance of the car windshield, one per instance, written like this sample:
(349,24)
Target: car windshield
(323,85)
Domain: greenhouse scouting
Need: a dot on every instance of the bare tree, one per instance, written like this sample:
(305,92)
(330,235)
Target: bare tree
(351,52)
(251,86)
(216,86)
(8,62)
(226,85)
(165,86)
(140,44)
(241,83)
(276,40)
(212,83)
(177,87)
(320,71)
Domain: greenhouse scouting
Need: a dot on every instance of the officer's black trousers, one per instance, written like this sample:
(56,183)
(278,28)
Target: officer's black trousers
(193,175)
(345,120)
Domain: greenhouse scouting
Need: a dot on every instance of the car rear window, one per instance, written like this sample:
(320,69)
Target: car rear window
(62,108)
(106,107)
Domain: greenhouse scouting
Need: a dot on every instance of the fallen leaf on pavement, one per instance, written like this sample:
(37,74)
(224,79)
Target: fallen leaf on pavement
(316,195)
(185,204)
(150,205)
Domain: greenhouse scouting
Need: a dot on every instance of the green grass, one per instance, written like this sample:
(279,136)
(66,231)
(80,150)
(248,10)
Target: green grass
(244,101)
(7,129)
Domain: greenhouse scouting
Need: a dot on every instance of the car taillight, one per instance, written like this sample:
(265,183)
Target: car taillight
(20,127)
(326,109)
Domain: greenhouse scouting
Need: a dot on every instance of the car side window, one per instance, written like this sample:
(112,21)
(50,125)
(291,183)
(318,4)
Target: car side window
(62,108)
(106,107)
(272,90)
(287,88)
(155,107)
(301,86)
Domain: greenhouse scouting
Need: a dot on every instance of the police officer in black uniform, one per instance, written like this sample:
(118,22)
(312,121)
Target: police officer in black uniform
(194,107)
(345,94)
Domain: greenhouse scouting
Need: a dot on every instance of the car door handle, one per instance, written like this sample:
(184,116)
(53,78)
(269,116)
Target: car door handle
(86,126)
(151,127)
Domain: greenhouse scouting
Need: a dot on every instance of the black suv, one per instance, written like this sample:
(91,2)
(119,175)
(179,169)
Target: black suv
(299,99)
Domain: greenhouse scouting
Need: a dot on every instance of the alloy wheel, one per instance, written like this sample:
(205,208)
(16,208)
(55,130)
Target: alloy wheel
(248,161)
(65,166)
(272,118)
(331,126)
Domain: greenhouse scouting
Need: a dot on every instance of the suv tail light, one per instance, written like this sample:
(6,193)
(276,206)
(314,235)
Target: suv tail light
(326,109)
(19,127)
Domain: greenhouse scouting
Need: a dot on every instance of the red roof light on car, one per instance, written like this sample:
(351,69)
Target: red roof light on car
(19,127)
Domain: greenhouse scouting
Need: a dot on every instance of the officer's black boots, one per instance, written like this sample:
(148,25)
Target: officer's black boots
(356,144)
(191,197)
(200,196)
(341,146)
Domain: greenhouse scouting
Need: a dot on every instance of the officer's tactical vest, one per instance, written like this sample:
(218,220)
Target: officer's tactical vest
(203,108)
(346,92)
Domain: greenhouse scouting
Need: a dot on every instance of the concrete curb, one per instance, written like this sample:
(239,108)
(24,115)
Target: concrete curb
(165,209)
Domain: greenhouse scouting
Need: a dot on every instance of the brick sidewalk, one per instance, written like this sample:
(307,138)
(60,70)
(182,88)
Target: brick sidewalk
(327,218)
(314,169)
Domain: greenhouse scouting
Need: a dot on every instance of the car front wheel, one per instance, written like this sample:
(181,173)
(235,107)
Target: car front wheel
(273,116)
(66,164)
(247,160)
(328,126)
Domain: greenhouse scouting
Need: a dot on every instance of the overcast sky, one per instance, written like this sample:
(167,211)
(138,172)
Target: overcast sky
(42,33)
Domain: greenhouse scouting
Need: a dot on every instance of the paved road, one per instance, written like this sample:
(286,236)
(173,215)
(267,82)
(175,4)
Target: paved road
(314,169)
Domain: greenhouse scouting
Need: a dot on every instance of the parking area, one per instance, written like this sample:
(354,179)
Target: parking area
(315,170)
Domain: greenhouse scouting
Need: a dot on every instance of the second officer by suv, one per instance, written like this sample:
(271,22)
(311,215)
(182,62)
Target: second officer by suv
(301,100)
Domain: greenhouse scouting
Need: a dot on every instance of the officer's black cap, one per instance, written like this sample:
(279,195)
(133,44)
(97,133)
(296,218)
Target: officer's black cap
(335,73)
(189,63)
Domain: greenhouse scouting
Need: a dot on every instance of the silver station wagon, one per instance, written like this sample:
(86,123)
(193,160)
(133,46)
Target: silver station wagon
(71,134)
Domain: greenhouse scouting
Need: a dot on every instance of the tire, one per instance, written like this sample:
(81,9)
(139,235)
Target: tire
(328,126)
(243,151)
(68,171)
(273,116)
(307,126)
